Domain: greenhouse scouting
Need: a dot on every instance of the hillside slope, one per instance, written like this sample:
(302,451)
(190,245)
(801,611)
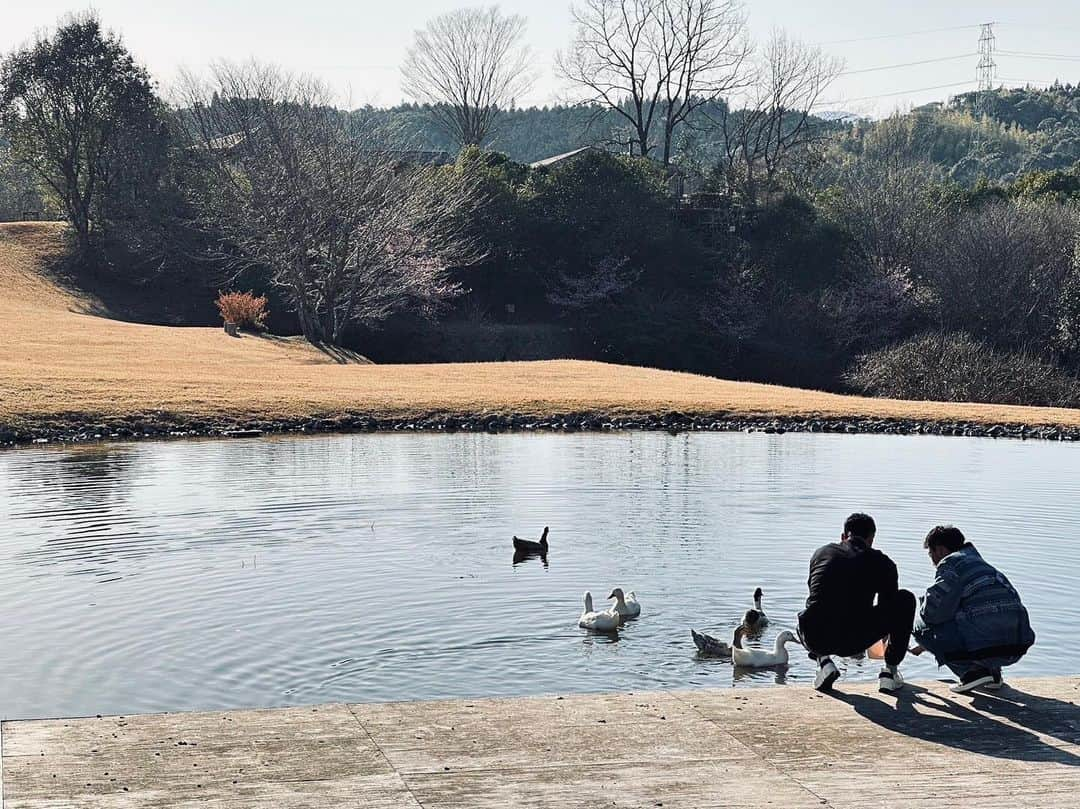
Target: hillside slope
(58,363)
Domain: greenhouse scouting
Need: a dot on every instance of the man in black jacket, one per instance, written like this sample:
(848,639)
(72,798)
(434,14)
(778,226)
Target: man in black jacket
(841,617)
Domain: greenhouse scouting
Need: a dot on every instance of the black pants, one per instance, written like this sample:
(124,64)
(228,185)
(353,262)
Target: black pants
(849,634)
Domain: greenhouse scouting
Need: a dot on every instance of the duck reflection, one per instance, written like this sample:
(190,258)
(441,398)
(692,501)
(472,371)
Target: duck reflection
(521,556)
(748,676)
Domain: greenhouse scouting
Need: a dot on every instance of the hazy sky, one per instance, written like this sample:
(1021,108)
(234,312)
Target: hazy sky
(357,46)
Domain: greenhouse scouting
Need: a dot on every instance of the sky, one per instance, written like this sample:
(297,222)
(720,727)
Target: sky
(358,45)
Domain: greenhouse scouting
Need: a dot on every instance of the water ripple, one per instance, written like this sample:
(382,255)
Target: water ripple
(149,577)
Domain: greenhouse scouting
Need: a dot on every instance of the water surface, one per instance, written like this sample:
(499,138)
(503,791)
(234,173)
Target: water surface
(195,575)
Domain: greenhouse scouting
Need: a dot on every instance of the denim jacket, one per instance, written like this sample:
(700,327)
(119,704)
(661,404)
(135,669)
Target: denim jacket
(984,606)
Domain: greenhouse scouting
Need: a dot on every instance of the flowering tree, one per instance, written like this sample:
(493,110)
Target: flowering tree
(349,229)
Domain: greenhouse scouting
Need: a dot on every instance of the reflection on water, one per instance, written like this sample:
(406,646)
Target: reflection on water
(521,557)
(199,575)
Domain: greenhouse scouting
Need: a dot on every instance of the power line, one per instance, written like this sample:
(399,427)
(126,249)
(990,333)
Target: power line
(1057,29)
(910,64)
(897,36)
(1029,55)
(897,93)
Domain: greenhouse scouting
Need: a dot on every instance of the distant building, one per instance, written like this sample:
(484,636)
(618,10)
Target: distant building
(683,182)
(548,162)
(416,157)
(680,181)
(225,143)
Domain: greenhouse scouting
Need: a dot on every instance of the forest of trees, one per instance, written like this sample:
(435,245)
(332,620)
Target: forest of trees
(1027,130)
(929,254)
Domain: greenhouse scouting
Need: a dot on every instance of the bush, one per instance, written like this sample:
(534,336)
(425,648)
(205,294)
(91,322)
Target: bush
(878,309)
(245,309)
(956,368)
(998,272)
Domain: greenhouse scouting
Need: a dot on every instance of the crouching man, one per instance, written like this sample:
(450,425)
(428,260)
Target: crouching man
(841,616)
(971,619)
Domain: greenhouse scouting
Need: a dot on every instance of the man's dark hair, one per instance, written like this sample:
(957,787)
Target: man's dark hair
(945,536)
(860,525)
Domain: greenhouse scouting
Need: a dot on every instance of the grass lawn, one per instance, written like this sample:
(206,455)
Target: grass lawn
(60,356)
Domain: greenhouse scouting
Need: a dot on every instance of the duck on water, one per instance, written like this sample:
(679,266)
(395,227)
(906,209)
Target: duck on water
(602,621)
(531,545)
(755,619)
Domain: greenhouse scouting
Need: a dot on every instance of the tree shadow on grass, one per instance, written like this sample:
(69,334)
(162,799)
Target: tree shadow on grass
(977,728)
(343,356)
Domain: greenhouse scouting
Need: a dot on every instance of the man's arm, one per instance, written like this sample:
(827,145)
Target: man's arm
(941,601)
(888,579)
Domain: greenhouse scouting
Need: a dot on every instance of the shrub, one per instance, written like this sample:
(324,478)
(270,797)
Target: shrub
(956,368)
(245,309)
(997,274)
(876,310)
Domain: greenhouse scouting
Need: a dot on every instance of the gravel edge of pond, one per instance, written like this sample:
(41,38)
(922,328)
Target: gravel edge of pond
(156,426)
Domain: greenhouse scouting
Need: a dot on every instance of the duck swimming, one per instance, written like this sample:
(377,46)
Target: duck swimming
(755,618)
(710,646)
(626,605)
(606,621)
(761,658)
(531,545)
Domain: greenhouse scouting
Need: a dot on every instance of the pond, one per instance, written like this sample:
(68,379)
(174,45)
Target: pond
(204,575)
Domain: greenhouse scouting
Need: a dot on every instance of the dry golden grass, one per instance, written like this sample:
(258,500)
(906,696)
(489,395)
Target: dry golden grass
(57,360)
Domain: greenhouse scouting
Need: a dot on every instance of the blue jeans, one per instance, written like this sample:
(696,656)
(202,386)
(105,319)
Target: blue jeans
(945,642)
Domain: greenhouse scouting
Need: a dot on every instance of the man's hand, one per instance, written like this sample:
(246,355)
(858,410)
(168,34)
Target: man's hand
(917,649)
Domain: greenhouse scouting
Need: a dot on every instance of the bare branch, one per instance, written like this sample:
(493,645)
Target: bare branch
(348,230)
(468,65)
(654,62)
(776,123)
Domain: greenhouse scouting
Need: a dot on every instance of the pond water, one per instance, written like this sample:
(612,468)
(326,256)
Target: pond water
(196,575)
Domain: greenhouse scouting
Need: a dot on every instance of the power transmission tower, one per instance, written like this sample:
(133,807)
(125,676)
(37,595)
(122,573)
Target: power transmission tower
(986,70)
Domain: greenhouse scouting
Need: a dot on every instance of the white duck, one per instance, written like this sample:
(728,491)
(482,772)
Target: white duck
(761,658)
(755,619)
(606,621)
(625,604)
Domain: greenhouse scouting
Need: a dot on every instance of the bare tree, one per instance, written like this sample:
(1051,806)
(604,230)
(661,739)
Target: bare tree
(892,212)
(348,231)
(999,271)
(703,51)
(654,62)
(776,123)
(468,65)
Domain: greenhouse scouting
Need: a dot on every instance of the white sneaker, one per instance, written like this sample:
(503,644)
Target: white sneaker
(977,677)
(827,674)
(998,683)
(889,680)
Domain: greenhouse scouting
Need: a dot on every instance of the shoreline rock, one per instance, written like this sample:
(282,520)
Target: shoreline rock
(158,426)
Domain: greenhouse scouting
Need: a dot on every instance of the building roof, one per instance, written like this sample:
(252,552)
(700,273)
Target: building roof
(561,158)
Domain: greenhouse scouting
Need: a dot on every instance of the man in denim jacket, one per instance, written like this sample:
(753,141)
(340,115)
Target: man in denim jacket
(971,618)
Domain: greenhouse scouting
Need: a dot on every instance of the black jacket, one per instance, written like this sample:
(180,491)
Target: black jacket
(845,577)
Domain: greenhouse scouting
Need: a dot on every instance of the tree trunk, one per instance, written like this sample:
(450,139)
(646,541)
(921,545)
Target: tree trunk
(669,134)
(310,325)
(82,235)
(751,185)
(643,143)
(80,221)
